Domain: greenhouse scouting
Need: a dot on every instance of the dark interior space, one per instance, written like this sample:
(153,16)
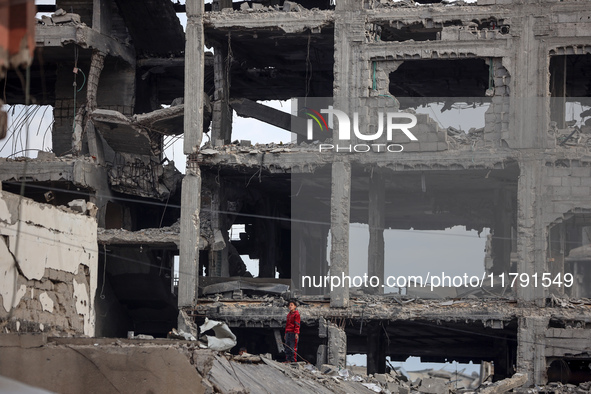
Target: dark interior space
(440,78)
(570,82)
(55,193)
(434,342)
(135,290)
(286,65)
(569,370)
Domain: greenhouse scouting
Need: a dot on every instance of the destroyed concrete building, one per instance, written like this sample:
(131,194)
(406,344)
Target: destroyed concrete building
(121,75)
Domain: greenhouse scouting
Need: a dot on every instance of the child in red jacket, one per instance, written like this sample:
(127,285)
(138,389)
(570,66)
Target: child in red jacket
(292,332)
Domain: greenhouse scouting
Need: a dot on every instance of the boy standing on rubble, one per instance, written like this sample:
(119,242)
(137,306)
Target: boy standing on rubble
(292,332)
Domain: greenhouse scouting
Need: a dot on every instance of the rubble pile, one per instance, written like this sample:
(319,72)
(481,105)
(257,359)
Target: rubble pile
(460,137)
(573,136)
(557,388)
(60,17)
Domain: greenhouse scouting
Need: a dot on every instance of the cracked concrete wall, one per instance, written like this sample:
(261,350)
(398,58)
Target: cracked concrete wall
(48,273)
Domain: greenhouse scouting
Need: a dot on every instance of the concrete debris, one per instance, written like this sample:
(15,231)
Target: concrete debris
(143,336)
(573,136)
(168,235)
(556,388)
(78,206)
(42,155)
(471,137)
(290,6)
(60,17)
(208,152)
(91,209)
(187,324)
(504,385)
(223,339)
(180,334)
(144,176)
(247,287)
(433,386)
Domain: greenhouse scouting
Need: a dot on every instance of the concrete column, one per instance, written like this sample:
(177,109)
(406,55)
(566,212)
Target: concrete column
(221,126)
(531,239)
(193,130)
(95,146)
(340,203)
(529,80)
(190,229)
(376,221)
(219,251)
(337,346)
(194,70)
(376,350)
(531,349)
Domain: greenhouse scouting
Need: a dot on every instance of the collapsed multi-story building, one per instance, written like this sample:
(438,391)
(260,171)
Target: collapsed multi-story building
(107,67)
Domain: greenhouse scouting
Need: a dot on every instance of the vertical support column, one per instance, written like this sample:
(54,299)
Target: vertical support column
(349,29)
(268,257)
(337,346)
(95,145)
(531,349)
(529,115)
(531,240)
(376,349)
(193,130)
(376,221)
(189,237)
(194,71)
(340,203)
(219,251)
(221,126)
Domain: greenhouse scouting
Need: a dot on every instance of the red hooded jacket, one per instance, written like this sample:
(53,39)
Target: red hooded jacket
(293,322)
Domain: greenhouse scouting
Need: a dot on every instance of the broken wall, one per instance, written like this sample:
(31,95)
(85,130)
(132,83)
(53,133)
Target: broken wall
(48,273)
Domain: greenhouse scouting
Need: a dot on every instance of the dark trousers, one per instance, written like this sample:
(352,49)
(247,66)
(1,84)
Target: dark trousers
(291,347)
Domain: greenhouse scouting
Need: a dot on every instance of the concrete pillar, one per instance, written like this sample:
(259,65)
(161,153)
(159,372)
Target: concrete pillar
(529,72)
(531,349)
(376,349)
(340,203)
(337,346)
(268,238)
(219,251)
(194,70)
(311,252)
(193,130)
(221,126)
(376,221)
(531,237)
(190,229)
